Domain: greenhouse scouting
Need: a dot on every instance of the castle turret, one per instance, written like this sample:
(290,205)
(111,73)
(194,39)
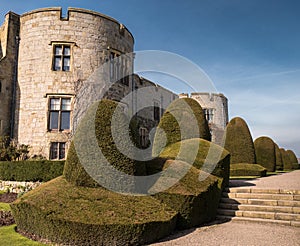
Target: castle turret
(215,107)
(57,56)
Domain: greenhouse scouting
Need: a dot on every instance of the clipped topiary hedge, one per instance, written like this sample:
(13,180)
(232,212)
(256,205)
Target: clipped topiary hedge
(246,169)
(210,158)
(30,170)
(279,162)
(195,200)
(285,160)
(289,160)
(74,209)
(265,153)
(177,123)
(102,122)
(293,159)
(239,142)
(77,215)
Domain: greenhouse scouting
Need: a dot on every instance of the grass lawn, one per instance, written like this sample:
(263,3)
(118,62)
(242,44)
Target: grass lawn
(8,236)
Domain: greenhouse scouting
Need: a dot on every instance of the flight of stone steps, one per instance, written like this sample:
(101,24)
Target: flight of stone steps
(260,205)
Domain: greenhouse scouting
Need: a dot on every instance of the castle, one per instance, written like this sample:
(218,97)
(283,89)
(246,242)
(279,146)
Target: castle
(47,69)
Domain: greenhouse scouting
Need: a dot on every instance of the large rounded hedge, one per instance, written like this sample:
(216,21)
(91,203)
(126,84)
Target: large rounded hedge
(239,142)
(289,160)
(196,201)
(74,172)
(279,163)
(265,153)
(285,160)
(75,215)
(74,209)
(210,157)
(293,159)
(183,119)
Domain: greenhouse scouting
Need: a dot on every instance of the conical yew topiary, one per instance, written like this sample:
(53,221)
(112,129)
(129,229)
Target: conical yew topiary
(293,159)
(239,142)
(288,157)
(97,126)
(279,163)
(183,119)
(285,159)
(265,153)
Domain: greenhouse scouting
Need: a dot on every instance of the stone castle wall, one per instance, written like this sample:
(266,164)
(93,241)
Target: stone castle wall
(9,33)
(91,35)
(218,106)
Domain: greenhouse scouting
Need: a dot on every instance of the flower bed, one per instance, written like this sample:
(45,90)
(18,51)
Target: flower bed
(18,187)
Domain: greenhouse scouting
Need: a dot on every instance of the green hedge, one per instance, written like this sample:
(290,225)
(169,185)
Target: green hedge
(30,170)
(239,142)
(73,209)
(246,169)
(99,124)
(265,153)
(77,215)
(177,124)
(210,158)
(279,162)
(195,200)
(289,160)
(293,159)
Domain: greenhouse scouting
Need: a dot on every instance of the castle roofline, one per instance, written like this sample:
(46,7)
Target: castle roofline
(78,10)
(207,93)
(12,13)
(153,83)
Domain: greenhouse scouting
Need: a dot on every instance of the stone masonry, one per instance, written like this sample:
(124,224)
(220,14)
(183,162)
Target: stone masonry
(9,33)
(215,107)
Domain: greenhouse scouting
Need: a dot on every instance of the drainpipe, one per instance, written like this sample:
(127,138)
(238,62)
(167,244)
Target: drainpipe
(15,81)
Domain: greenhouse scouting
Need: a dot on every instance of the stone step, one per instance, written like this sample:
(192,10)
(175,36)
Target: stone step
(289,197)
(263,202)
(246,207)
(258,220)
(260,190)
(259,214)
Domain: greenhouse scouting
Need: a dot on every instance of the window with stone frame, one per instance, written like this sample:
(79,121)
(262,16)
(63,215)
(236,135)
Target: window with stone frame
(59,114)
(61,57)
(118,67)
(57,151)
(144,137)
(0,86)
(208,115)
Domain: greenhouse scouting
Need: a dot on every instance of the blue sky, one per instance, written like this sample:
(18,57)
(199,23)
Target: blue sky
(250,50)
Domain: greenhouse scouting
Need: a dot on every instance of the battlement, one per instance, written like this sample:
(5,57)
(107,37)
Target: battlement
(57,11)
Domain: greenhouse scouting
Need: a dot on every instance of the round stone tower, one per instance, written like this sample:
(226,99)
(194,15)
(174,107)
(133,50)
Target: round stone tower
(57,55)
(215,107)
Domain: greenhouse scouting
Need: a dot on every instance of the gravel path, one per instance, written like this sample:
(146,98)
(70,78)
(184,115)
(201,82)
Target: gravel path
(236,233)
(289,181)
